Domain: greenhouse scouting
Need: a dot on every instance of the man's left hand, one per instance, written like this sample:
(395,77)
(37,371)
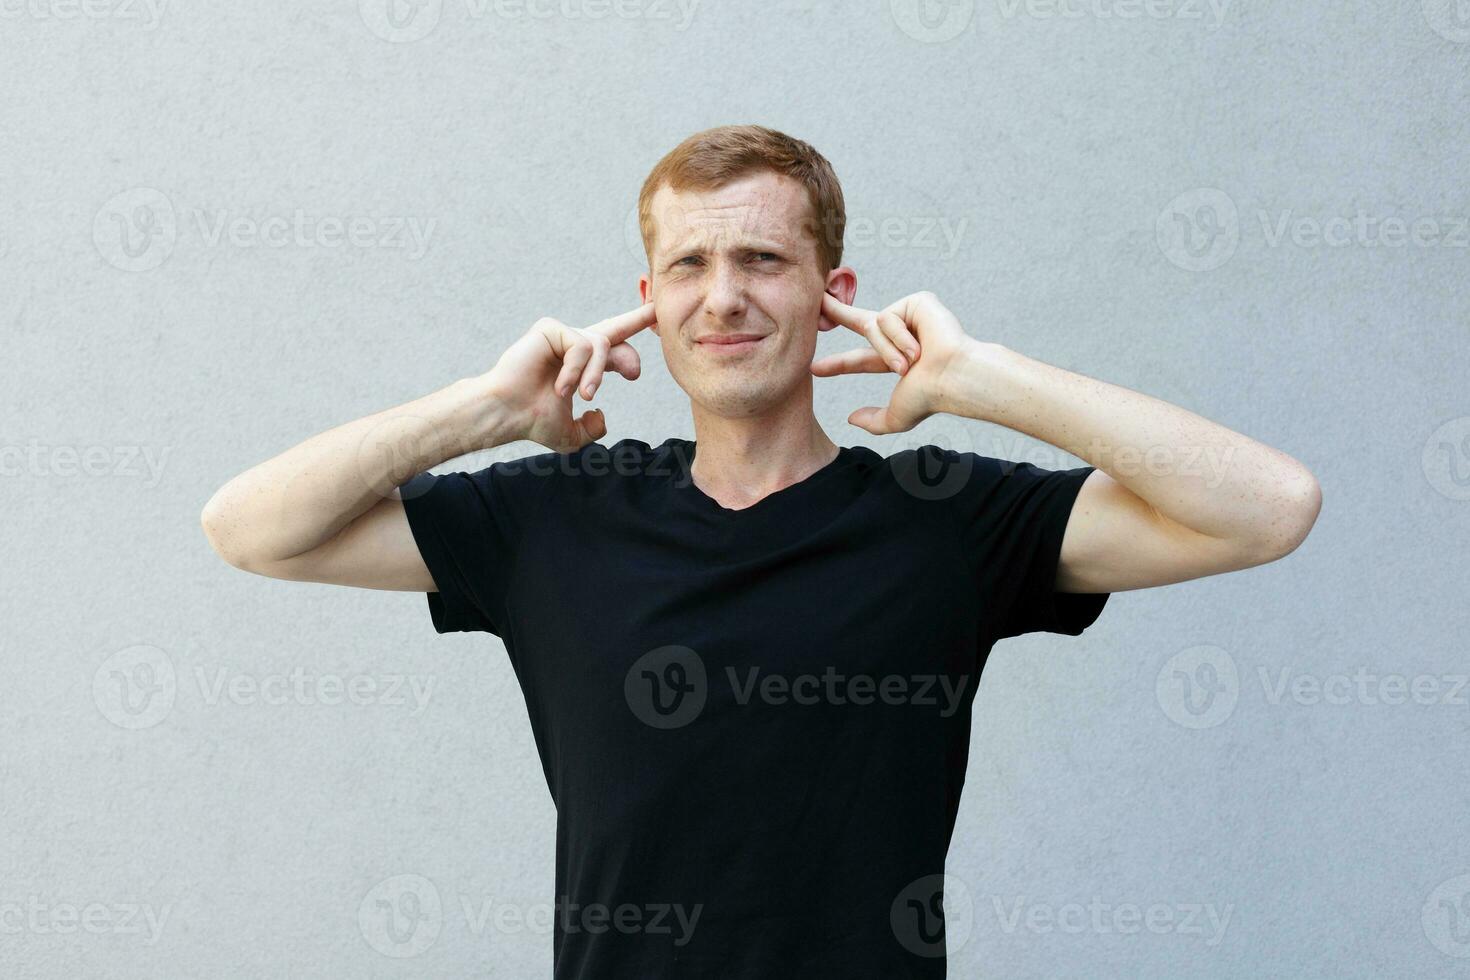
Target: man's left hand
(916,338)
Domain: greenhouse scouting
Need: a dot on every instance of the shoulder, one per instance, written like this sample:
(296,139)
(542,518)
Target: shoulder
(970,486)
(933,473)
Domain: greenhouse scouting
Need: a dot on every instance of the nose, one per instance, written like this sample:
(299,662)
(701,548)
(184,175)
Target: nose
(725,297)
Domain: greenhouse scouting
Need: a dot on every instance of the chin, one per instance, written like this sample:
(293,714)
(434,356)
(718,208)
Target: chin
(735,398)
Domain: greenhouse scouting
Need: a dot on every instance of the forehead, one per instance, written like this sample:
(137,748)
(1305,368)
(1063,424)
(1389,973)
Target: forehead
(762,206)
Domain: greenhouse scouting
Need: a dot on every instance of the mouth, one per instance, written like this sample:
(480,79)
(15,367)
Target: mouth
(730,343)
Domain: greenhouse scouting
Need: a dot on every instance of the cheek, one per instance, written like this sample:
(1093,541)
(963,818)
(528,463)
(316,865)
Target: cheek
(671,308)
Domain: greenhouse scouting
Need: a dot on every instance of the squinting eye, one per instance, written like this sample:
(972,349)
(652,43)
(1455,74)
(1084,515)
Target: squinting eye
(767,255)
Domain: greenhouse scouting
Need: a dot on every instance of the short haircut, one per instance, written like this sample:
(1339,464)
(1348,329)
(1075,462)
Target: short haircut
(716,157)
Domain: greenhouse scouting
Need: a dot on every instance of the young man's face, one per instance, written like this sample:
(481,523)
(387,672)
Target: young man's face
(737,289)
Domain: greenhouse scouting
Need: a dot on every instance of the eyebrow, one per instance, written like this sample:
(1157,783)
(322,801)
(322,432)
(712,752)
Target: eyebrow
(740,245)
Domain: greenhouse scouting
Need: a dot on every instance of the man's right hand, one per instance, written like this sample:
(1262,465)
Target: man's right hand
(328,509)
(536,376)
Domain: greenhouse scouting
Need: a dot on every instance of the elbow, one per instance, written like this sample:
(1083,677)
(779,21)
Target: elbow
(214,522)
(211,523)
(1301,504)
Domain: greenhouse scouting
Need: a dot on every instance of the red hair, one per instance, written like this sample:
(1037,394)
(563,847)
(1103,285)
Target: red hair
(715,157)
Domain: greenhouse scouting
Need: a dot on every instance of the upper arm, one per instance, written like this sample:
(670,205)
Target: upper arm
(1116,540)
(374,551)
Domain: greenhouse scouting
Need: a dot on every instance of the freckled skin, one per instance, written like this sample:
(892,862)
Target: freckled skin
(740,259)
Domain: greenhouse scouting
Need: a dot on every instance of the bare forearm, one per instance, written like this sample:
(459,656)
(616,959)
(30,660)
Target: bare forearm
(1196,472)
(299,499)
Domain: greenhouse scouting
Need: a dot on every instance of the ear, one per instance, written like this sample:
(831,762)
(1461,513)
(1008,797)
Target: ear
(645,293)
(842,284)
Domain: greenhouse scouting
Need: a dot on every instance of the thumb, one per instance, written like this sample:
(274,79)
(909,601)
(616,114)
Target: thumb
(590,426)
(875,420)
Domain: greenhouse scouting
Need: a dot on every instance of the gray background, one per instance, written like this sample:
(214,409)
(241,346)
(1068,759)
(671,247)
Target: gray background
(1067,153)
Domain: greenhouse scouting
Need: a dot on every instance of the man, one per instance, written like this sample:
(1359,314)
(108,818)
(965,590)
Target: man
(749,659)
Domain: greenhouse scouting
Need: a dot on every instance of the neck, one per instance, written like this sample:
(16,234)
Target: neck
(740,460)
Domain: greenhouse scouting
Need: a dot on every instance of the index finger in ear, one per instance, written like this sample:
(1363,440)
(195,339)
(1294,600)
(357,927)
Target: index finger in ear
(619,328)
(852,317)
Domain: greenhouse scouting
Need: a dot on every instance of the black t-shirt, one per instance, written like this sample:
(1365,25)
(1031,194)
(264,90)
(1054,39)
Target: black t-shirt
(754,723)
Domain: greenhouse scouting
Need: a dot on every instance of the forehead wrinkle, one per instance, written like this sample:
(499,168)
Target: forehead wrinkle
(702,228)
(760,221)
(737,242)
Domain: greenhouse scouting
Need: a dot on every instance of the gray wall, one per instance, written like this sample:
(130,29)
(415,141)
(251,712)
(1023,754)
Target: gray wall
(180,828)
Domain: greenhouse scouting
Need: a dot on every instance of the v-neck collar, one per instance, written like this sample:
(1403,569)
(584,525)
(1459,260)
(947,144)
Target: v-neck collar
(792,494)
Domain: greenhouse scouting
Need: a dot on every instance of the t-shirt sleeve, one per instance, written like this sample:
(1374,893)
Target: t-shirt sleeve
(466,529)
(1015,516)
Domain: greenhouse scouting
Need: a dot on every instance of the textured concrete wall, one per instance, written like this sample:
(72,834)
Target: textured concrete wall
(225,227)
